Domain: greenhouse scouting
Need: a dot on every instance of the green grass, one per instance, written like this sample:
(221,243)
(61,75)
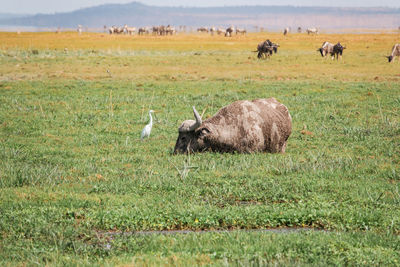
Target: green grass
(72,167)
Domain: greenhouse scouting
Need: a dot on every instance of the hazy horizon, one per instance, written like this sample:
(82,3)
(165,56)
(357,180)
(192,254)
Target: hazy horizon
(60,6)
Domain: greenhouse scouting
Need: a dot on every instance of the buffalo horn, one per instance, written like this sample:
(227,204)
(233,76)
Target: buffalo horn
(198,120)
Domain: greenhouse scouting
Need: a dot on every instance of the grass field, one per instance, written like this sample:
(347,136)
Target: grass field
(74,173)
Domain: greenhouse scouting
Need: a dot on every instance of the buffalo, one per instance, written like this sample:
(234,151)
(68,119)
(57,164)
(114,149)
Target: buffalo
(261,125)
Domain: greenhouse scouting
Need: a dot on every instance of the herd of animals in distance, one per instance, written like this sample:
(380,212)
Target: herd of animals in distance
(229,129)
(264,49)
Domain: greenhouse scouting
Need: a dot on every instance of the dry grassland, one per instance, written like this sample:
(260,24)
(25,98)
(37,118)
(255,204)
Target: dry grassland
(193,57)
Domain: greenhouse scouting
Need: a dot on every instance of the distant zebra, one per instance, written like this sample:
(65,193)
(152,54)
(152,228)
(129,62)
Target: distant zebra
(213,30)
(221,31)
(312,31)
(129,30)
(114,29)
(299,30)
(241,31)
(79,30)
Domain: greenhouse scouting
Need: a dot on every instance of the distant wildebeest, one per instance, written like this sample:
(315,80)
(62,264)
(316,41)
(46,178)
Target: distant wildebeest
(221,31)
(158,30)
(312,31)
(261,125)
(241,31)
(286,31)
(266,48)
(162,30)
(334,50)
(338,50)
(129,30)
(395,53)
(202,29)
(143,30)
(229,31)
(155,30)
(299,30)
(325,49)
(170,30)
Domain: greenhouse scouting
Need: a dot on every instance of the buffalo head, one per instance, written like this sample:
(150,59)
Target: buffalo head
(191,136)
(390,58)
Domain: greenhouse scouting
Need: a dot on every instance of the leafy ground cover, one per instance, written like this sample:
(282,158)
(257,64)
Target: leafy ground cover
(72,166)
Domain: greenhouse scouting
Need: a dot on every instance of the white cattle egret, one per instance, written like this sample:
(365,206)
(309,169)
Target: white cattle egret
(147,129)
